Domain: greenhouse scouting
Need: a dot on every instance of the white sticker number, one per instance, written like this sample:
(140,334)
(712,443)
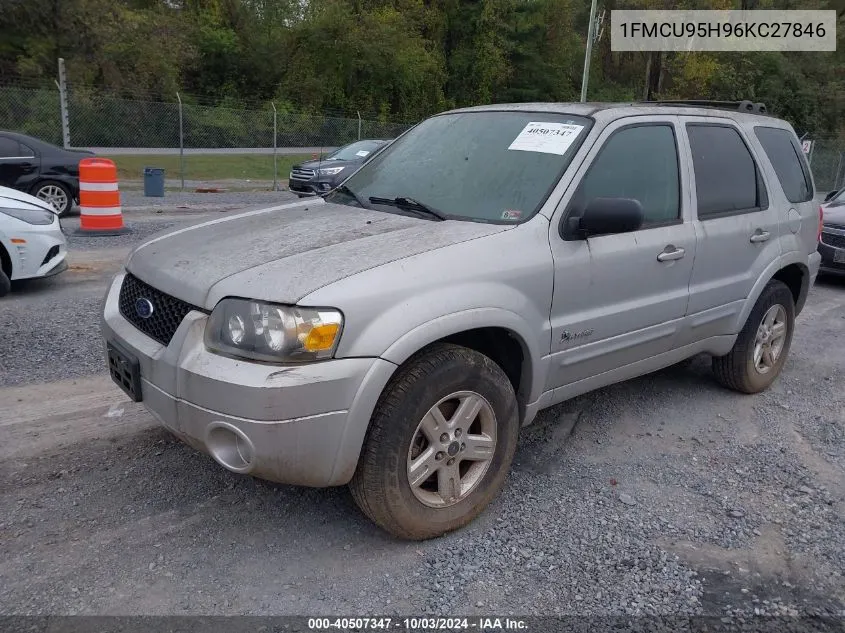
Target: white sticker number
(362,153)
(549,138)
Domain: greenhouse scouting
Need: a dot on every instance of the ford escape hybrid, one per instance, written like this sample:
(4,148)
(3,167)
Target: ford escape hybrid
(395,333)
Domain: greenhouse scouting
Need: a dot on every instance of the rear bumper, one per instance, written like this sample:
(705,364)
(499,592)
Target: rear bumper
(302,424)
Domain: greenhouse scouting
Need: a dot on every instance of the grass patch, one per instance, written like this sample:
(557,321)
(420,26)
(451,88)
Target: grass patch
(208,166)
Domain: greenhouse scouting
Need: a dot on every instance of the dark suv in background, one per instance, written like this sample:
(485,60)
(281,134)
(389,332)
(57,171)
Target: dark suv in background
(314,177)
(41,169)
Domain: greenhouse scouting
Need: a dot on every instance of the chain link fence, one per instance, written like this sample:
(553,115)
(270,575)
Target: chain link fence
(154,128)
(151,128)
(827,161)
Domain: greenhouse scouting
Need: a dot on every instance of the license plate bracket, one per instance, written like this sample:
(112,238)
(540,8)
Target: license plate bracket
(839,256)
(125,371)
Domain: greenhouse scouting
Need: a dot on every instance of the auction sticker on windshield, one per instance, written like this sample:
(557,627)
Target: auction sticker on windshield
(549,138)
(362,153)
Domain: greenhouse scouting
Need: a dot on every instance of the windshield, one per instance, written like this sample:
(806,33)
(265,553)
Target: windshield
(355,151)
(483,166)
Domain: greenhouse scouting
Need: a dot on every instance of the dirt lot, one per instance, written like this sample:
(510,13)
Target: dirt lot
(664,495)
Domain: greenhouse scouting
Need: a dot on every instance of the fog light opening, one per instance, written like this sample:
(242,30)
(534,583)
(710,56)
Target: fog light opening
(230,447)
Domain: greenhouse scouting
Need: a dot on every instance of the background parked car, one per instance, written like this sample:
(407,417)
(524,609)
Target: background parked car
(832,242)
(44,170)
(31,240)
(319,176)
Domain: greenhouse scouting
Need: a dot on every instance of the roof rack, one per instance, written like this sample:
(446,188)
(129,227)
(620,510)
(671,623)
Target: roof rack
(742,106)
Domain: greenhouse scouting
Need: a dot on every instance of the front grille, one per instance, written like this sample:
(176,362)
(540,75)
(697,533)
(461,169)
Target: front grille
(167,313)
(51,254)
(302,174)
(836,241)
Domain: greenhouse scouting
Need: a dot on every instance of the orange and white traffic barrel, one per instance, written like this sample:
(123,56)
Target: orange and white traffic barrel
(99,198)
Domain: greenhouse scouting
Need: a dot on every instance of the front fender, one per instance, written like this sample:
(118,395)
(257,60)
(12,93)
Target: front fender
(402,328)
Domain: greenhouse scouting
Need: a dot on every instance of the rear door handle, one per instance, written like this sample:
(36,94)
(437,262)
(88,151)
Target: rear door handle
(670,254)
(760,236)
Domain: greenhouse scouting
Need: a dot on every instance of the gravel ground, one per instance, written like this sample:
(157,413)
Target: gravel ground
(665,495)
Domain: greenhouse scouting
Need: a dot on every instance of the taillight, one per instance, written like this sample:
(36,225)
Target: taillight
(821,223)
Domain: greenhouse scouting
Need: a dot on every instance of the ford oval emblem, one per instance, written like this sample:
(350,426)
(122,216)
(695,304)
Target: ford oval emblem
(144,308)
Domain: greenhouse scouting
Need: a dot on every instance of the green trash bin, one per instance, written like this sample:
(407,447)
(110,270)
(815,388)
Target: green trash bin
(153,182)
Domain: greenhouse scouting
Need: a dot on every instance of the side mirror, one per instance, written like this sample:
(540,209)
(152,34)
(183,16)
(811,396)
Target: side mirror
(604,216)
(830,196)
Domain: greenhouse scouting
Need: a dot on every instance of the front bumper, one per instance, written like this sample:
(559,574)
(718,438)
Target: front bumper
(314,187)
(40,251)
(302,424)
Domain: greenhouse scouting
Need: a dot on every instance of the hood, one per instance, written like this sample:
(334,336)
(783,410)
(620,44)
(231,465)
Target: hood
(316,164)
(19,200)
(834,213)
(283,253)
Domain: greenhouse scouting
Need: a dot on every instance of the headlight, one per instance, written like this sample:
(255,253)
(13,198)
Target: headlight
(330,171)
(271,332)
(31,216)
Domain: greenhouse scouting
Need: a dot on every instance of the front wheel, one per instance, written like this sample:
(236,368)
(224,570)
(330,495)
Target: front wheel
(5,283)
(761,349)
(57,194)
(440,443)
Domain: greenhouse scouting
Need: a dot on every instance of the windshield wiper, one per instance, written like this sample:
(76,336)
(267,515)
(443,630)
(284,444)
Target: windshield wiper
(351,194)
(410,204)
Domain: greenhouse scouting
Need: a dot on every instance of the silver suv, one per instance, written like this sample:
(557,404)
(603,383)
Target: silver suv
(491,262)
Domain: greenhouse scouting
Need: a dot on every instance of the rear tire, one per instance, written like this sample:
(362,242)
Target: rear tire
(56,193)
(762,347)
(419,430)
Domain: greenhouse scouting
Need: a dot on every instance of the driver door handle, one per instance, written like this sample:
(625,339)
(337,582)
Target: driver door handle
(670,254)
(760,236)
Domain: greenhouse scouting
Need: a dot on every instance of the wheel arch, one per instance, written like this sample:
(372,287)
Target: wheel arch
(499,334)
(788,269)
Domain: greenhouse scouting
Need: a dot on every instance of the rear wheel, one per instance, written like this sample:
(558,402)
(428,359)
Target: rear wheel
(440,443)
(56,193)
(762,346)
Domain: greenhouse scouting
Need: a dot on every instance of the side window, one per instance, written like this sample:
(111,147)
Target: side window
(639,162)
(8,147)
(26,151)
(727,181)
(786,158)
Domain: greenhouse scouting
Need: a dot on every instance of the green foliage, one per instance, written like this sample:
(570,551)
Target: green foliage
(393,59)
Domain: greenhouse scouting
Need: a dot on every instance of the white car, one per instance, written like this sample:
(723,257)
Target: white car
(31,240)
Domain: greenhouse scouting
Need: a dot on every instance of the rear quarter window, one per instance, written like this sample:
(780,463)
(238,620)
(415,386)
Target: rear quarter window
(787,159)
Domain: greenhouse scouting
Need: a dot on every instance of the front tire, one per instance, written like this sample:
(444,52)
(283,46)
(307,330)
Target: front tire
(56,194)
(5,283)
(440,443)
(761,349)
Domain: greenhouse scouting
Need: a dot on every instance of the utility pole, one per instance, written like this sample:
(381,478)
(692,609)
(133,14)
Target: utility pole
(181,143)
(63,104)
(275,157)
(590,34)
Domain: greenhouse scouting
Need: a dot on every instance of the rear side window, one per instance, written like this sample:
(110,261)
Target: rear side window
(727,181)
(621,170)
(785,156)
(8,148)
